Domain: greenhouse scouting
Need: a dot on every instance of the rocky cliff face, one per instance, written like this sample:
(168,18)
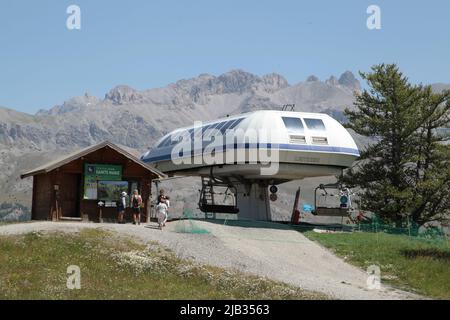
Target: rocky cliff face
(137,119)
(347,79)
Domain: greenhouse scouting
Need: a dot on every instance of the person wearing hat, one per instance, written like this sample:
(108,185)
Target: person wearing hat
(161,210)
(121,205)
(162,197)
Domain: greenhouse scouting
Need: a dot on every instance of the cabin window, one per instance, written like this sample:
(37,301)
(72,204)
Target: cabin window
(315,124)
(230,125)
(204,128)
(110,191)
(235,123)
(133,185)
(213,128)
(177,137)
(293,125)
(197,132)
(221,125)
(226,126)
(165,142)
(190,134)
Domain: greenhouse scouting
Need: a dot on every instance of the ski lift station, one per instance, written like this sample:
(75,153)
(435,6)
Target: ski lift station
(248,155)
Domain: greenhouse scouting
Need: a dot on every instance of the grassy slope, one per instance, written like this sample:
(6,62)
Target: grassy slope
(408,263)
(34,266)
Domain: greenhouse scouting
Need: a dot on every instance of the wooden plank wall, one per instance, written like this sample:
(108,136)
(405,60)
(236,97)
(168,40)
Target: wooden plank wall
(45,197)
(42,197)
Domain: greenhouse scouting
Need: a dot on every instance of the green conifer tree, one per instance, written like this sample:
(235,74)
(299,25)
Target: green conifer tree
(404,172)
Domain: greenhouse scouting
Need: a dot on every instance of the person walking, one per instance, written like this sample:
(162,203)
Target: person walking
(162,196)
(136,203)
(161,211)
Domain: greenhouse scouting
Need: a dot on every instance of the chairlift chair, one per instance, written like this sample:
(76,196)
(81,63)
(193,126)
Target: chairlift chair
(341,211)
(208,202)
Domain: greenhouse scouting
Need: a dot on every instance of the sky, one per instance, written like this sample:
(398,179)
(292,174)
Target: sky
(148,43)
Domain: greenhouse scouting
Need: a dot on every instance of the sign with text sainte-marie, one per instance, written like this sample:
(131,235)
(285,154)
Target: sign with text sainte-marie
(103,172)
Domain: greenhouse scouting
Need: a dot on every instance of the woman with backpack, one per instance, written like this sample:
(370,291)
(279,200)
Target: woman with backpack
(136,203)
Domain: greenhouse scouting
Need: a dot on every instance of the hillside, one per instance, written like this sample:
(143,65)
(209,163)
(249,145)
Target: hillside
(248,255)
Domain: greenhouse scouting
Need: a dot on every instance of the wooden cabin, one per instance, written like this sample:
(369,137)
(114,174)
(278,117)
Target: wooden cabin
(86,185)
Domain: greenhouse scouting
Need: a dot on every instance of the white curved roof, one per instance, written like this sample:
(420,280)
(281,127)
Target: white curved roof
(273,130)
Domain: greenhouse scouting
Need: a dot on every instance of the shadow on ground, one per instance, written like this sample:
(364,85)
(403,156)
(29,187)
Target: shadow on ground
(278,225)
(427,253)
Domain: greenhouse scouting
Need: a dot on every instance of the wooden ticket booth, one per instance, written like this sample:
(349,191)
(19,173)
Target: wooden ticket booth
(86,185)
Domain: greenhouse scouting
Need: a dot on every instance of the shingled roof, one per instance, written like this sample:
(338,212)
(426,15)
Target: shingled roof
(83,152)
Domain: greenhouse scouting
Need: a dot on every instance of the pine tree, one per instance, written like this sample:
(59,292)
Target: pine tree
(404,171)
(431,173)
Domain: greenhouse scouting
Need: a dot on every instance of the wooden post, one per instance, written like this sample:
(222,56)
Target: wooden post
(149,200)
(51,214)
(57,209)
(100,218)
(33,199)
(148,206)
(295,208)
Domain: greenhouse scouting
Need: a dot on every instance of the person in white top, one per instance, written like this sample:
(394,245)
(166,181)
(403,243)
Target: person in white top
(162,196)
(121,205)
(161,212)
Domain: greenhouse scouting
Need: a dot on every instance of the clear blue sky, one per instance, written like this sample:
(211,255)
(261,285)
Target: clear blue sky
(150,43)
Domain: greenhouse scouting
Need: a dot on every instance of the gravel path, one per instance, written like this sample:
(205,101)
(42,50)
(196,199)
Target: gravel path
(281,254)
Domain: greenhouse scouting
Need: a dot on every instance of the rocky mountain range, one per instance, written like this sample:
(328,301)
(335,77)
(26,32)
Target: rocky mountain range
(137,119)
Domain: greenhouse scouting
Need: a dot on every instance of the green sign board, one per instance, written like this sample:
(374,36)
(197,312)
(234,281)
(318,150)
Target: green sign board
(93,173)
(104,172)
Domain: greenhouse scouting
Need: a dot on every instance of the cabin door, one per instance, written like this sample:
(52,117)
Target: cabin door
(70,195)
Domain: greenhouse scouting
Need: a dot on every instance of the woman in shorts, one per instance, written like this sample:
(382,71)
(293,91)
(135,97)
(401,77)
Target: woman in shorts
(136,203)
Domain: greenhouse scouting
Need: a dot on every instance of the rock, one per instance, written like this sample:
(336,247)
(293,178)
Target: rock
(312,78)
(71,105)
(273,82)
(332,81)
(123,95)
(235,81)
(347,79)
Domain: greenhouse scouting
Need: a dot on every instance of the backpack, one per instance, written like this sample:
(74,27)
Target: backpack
(135,202)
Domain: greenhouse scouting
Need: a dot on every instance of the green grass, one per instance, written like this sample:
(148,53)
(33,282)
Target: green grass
(408,263)
(34,266)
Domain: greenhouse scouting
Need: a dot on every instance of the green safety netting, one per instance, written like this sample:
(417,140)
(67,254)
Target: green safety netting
(376,225)
(191,223)
(432,233)
(188,224)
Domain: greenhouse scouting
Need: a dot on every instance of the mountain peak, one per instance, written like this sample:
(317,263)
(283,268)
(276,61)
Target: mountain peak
(273,82)
(312,78)
(123,94)
(235,81)
(333,81)
(349,80)
(73,104)
(237,73)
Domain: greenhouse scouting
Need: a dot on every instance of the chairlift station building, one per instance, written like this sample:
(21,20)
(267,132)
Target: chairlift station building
(86,185)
